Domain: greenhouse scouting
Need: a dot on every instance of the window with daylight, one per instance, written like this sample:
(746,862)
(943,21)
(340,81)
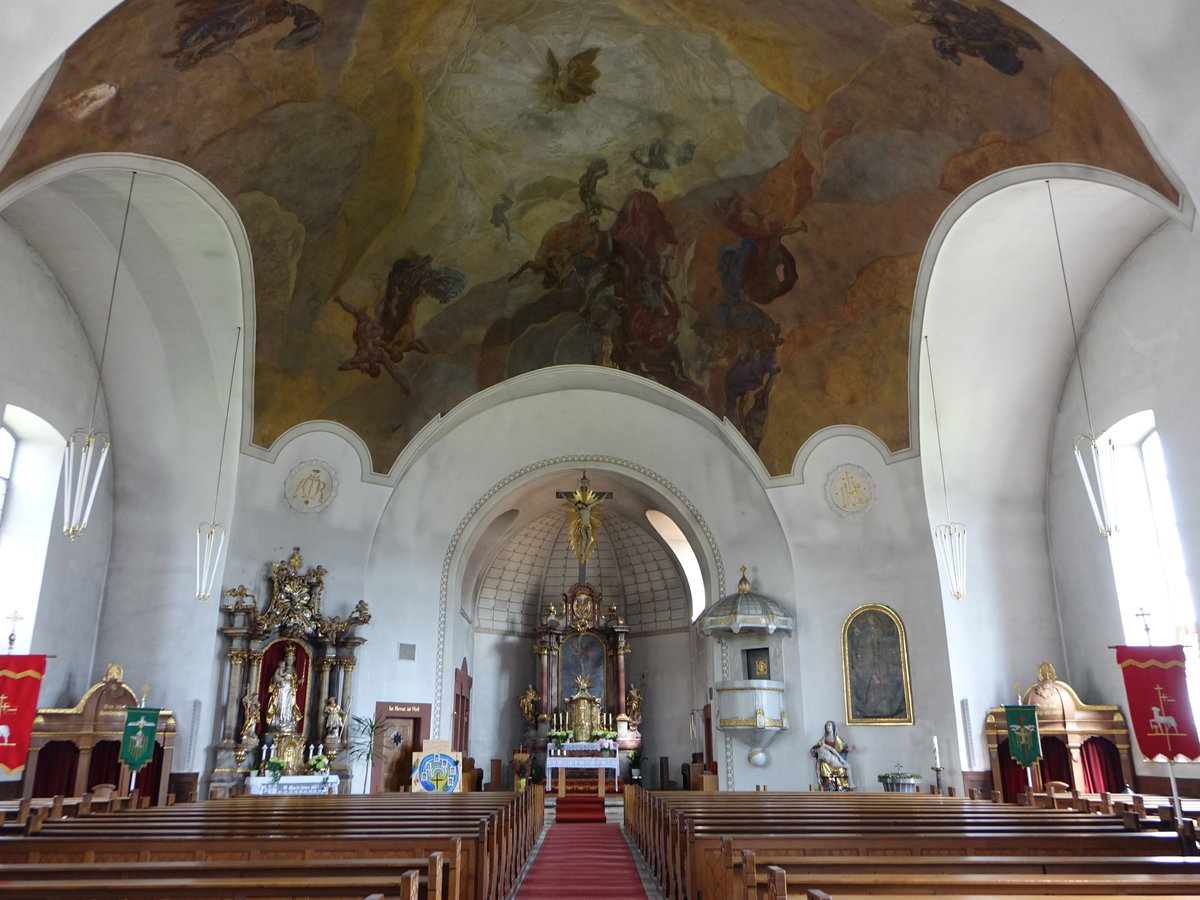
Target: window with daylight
(8,450)
(30,458)
(1147,557)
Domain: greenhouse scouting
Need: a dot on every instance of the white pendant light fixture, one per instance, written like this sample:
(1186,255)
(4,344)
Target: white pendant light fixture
(211,535)
(1095,454)
(87,450)
(950,538)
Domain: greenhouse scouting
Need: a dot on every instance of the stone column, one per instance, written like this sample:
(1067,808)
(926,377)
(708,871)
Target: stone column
(233,700)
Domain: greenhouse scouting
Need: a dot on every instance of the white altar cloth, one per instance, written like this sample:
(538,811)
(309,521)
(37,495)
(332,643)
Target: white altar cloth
(583,762)
(262,785)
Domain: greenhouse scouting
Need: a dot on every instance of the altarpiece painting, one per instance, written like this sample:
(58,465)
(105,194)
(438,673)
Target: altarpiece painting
(875,668)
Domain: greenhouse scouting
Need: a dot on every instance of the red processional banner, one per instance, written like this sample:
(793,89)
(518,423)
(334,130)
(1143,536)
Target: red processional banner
(1160,712)
(20,681)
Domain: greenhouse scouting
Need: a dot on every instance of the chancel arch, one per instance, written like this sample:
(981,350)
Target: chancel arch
(519,564)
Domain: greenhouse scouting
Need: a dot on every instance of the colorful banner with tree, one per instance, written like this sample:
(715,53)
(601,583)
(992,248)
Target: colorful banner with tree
(20,682)
(1024,741)
(137,741)
(1160,712)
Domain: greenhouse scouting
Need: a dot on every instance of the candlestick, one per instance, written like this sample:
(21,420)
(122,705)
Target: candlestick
(320,750)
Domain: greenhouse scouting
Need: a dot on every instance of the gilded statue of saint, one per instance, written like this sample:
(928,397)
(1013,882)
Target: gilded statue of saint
(283,707)
(528,703)
(335,721)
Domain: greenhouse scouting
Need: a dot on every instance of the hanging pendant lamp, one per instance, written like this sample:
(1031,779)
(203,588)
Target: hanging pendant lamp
(86,451)
(1095,454)
(211,535)
(949,538)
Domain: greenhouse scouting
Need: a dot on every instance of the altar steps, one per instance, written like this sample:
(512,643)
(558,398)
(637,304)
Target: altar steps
(571,809)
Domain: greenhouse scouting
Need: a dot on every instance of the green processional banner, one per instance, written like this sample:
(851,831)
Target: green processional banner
(1024,742)
(137,742)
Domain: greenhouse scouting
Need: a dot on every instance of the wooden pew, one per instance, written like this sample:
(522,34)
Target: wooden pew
(834,872)
(681,834)
(495,833)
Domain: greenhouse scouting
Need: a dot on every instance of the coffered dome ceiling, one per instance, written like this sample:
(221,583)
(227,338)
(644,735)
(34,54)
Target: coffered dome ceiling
(729,198)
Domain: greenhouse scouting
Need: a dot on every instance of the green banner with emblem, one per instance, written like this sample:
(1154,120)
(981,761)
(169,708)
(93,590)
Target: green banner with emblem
(1024,742)
(137,741)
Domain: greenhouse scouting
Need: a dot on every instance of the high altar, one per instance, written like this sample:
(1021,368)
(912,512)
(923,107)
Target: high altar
(289,676)
(582,687)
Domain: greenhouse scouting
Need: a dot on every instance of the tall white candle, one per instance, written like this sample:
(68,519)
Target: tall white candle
(937,760)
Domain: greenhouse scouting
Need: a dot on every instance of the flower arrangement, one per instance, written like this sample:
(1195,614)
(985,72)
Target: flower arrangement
(275,766)
(318,764)
(635,759)
(558,736)
(603,734)
(899,776)
(522,766)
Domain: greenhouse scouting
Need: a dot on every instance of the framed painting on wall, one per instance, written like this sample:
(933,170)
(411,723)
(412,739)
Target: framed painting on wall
(875,668)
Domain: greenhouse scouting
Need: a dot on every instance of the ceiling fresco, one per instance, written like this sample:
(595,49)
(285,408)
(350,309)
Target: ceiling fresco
(729,198)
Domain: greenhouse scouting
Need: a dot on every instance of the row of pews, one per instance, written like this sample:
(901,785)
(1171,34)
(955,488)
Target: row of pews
(428,846)
(847,846)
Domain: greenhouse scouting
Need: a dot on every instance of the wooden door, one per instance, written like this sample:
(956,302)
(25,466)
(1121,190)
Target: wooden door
(405,729)
(460,728)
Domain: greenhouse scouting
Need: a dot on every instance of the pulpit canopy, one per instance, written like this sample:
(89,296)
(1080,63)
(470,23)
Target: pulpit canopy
(746,611)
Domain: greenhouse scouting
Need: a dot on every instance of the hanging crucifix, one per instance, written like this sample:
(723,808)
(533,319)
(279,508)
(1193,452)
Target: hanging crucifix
(583,520)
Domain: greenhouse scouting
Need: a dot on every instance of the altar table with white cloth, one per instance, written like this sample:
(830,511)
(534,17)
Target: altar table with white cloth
(599,763)
(259,785)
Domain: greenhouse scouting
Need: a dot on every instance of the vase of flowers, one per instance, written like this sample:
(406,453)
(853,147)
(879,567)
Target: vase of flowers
(522,767)
(557,737)
(275,767)
(635,763)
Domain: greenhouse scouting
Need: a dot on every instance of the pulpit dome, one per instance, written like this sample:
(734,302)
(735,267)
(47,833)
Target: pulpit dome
(746,611)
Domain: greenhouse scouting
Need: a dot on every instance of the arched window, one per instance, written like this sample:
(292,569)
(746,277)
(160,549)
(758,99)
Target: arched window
(8,451)
(674,537)
(30,458)
(1147,558)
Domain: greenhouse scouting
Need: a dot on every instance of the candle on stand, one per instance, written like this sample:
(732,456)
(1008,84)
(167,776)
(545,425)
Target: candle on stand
(321,750)
(937,760)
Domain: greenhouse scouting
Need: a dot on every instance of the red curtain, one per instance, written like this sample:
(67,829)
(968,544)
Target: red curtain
(105,767)
(1056,761)
(1101,766)
(1012,775)
(271,658)
(58,761)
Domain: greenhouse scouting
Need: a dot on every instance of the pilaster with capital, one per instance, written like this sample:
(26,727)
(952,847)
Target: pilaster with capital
(324,664)
(236,665)
(543,680)
(347,663)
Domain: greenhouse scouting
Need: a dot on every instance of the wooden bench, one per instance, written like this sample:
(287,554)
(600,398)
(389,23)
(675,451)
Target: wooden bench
(980,887)
(405,886)
(753,872)
(689,839)
(493,835)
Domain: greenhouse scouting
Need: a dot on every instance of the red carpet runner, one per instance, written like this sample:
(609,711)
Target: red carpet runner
(579,809)
(583,862)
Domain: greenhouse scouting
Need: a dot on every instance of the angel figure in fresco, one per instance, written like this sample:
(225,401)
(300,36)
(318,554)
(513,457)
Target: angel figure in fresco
(205,31)
(976,32)
(382,341)
(573,82)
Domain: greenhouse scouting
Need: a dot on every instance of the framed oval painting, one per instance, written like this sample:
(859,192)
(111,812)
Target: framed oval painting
(875,668)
